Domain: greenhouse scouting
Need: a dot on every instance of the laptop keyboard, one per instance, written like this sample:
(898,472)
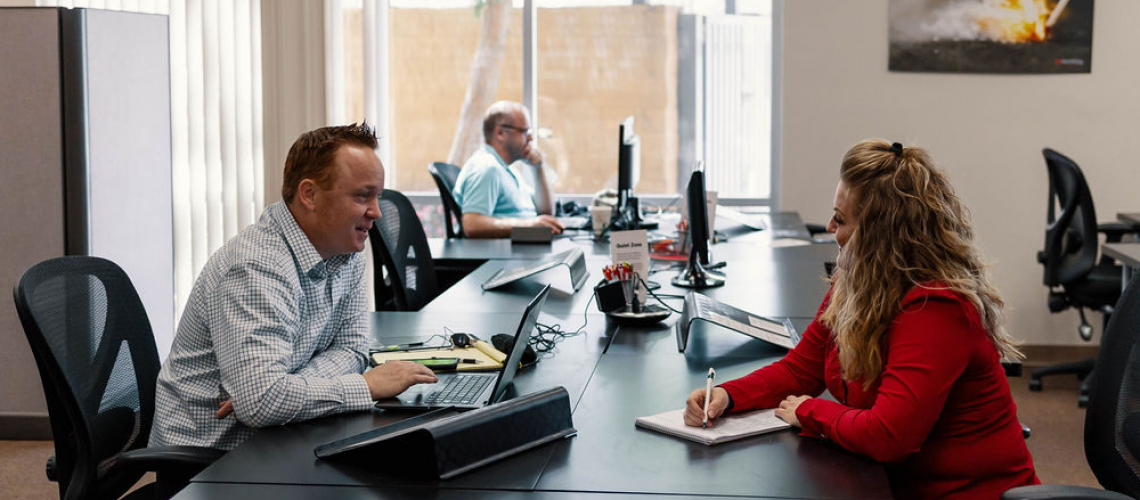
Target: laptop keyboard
(461,389)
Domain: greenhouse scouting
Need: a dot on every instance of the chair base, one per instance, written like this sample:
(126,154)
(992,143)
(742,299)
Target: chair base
(1082,369)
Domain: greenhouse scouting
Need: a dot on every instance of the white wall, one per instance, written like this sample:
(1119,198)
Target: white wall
(987,131)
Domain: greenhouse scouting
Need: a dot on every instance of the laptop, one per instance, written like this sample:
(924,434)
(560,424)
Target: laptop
(471,390)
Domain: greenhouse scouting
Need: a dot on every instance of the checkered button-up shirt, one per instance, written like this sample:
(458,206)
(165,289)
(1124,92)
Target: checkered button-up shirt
(274,328)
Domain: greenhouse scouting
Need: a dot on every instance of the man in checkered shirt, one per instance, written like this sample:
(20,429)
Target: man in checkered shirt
(275,329)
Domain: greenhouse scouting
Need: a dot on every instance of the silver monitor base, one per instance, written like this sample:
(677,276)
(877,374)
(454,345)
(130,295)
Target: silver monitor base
(698,277)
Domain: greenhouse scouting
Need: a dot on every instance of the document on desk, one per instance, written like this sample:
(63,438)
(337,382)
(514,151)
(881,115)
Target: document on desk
(721,430)
(470,358)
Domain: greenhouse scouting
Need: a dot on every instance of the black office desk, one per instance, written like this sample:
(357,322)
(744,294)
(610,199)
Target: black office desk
(768,282)
(613,374)
(215,491)
(610,454)
(284,455)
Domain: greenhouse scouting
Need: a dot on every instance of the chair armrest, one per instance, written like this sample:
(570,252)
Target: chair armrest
(1060,492)
(171,458)
(1115,231)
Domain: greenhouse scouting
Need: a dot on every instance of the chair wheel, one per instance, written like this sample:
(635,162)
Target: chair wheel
(1086,332)
(1083,401)
(1035,385)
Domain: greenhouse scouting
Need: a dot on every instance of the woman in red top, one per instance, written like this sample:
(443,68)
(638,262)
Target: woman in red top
(909,341)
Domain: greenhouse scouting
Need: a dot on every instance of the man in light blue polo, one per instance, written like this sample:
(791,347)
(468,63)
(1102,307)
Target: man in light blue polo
(491,196)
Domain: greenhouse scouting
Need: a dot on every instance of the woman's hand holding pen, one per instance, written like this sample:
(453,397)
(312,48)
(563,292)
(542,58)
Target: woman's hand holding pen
(694,407)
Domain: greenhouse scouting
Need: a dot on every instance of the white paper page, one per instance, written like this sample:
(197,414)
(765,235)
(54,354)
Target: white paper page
(632,247)
(723,428)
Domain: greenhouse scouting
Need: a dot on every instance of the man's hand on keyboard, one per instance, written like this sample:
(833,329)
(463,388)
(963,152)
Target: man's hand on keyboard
(394,377)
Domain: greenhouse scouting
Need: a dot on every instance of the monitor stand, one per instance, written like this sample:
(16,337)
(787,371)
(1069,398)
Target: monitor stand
(630,218)
(696,276)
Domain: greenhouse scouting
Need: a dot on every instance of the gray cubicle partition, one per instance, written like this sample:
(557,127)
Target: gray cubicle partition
(85,152)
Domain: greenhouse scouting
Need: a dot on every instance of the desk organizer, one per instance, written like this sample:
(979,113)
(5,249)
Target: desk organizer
(430,446)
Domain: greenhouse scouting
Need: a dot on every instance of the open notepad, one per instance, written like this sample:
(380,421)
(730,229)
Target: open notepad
(722,430)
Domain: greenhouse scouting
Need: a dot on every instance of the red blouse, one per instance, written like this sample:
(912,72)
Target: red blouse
(940,415)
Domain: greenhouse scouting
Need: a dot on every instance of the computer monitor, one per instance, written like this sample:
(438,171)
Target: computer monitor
(695,275)
(629,171)
(629,160)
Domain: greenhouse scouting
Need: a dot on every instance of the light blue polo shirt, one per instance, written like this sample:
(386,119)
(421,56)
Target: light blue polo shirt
(487,186)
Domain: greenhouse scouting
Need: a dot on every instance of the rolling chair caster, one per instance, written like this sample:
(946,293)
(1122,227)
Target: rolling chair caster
(1035,384)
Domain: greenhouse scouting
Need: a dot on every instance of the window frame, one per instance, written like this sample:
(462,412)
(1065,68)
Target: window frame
(377,96)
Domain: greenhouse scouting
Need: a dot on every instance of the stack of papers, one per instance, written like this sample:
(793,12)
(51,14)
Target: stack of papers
(721,430)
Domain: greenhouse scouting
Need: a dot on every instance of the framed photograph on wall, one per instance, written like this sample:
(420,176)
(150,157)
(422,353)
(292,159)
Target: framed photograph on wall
(991,36)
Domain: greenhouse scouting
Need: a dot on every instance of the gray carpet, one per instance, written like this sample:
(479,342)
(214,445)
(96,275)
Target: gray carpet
(1056,444)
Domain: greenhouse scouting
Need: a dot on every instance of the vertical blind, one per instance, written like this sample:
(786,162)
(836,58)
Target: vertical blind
(216,122)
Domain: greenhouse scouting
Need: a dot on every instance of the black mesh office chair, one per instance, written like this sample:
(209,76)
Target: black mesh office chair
(97,359)
(445,175)
(398,239)
(1074,276)
(1112,421)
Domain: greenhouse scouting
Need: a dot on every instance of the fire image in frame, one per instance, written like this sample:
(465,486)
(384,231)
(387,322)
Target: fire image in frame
(991,36)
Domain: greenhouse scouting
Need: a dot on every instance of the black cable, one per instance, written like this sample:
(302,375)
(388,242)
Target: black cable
(547,337)
(667,306)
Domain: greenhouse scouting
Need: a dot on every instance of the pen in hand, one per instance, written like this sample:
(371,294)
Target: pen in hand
(708,395)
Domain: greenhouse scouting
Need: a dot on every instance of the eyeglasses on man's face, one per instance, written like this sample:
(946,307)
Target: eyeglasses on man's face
(523,131)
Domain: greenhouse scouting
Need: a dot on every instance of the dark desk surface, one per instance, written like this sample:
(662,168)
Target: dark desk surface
(610,454)
(284,455)
(613,374)
(765,281)
(1127,253)
(216,491)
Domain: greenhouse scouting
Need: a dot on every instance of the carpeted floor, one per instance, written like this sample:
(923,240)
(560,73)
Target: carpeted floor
(1056,444)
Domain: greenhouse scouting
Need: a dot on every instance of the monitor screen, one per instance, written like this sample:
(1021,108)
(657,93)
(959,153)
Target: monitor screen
(629,159)
(698,216)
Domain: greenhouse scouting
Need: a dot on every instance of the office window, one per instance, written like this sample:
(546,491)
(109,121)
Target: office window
(695,74)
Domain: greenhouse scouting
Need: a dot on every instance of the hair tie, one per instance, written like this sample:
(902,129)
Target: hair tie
(897,149)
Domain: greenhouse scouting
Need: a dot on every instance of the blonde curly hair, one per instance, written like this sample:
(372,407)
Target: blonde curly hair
(911,231)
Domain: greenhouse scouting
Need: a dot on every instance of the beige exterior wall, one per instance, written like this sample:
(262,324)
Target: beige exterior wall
(596,66)
(986,130)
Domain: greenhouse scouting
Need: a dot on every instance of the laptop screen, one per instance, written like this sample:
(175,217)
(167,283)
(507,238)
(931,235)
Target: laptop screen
(522,338)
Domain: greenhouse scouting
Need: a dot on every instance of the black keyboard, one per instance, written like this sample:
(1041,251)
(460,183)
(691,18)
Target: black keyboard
(461,389)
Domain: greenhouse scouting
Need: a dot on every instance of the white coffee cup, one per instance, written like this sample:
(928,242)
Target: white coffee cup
(599,217)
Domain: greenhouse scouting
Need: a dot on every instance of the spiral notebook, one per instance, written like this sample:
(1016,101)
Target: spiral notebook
(721,430)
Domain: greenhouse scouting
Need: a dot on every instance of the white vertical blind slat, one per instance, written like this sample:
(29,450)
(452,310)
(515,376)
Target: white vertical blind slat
(334,63)
(228,118)
(199,224)
(211,82)
(184,269)
(258,130)
(243,109)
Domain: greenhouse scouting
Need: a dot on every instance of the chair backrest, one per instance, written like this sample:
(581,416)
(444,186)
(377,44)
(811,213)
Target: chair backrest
(97,359)
(445,175)
(1071,235)
(1112,422)
(399,240)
